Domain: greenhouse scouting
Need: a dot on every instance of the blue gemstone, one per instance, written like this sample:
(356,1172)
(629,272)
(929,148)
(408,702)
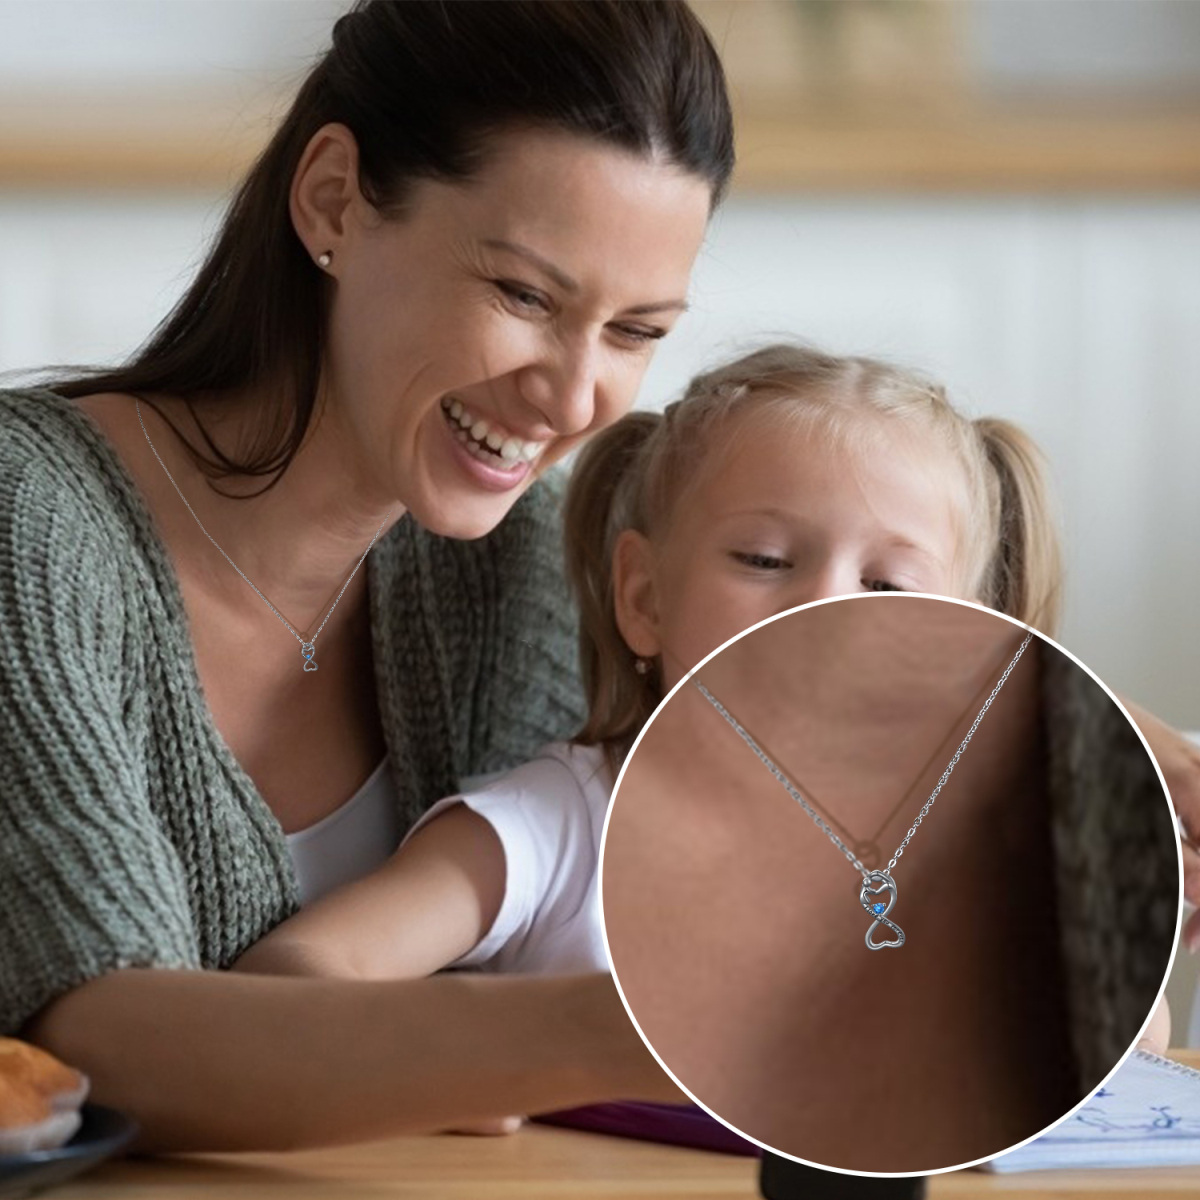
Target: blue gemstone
(877,907)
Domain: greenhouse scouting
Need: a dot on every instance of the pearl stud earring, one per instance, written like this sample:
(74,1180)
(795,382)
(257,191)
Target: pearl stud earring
(642,666)
(325,259)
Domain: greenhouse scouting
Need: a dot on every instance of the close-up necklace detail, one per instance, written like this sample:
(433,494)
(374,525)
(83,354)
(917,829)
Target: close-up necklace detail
(307,649)
(874,883)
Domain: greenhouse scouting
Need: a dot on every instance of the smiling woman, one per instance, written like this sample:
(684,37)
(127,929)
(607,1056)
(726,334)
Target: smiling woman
(521,298)
(449,265)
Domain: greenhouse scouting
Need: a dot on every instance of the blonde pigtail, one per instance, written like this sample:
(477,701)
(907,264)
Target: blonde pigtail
(603,499)
(1024,578)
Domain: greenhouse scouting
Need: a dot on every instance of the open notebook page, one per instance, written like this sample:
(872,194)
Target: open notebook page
(1147,1114)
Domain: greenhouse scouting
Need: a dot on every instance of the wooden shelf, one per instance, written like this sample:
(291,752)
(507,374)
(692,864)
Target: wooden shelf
(187,140)
(980,151)
(205,141)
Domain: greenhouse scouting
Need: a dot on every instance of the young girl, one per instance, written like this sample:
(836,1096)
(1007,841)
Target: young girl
(783,477)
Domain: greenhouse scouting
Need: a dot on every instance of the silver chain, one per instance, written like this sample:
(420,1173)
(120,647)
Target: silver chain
(306,647)
(821,824)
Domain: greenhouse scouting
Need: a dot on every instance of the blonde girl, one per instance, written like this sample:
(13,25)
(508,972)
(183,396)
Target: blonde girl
(782,477)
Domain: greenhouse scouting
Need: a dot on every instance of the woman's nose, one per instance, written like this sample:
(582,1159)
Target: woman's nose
(563,387)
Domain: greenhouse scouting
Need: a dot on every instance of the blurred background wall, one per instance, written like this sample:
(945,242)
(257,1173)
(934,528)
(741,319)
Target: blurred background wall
(1005,193)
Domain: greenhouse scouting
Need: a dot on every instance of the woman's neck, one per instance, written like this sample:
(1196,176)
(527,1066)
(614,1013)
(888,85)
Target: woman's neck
(736,926)
(297,542)
(863,704)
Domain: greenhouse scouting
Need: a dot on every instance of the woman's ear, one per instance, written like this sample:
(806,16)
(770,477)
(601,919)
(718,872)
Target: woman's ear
(635,602)
(324,188)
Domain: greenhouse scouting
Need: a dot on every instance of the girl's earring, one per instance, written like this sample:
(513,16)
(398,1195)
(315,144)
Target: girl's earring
(325,259)
(642,666)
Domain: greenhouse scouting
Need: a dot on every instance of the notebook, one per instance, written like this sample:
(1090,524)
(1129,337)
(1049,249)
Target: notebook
(675,1124)
(1146,1115)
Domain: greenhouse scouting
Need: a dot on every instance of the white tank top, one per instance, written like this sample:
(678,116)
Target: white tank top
(349,843)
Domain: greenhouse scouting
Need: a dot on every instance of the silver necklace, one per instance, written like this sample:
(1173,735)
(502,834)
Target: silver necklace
(307,649)
(874,882)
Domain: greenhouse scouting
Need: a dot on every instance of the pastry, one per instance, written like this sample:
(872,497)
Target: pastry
(39,1098)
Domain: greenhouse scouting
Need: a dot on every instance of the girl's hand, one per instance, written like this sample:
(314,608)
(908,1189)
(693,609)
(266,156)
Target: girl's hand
(1157,1037)
(1179,759)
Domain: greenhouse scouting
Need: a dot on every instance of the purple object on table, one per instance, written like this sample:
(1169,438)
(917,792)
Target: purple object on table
(675,1124)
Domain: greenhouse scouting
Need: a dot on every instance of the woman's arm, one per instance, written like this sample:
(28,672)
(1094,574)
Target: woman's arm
(426,906)
(208,1060)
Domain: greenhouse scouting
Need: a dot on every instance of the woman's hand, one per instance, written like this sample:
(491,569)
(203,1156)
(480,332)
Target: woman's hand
(1179,759)
(647,1080)
(638,1071)
(488,1126)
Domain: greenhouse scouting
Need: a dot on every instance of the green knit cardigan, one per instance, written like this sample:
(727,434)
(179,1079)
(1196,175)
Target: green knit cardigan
(129,834)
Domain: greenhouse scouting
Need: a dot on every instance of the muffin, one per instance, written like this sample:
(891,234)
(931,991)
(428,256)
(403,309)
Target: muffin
(40,1098)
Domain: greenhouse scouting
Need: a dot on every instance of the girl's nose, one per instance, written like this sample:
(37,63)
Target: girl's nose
(562,387)
(826,580)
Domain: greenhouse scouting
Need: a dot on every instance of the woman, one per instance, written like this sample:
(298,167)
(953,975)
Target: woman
(450,264)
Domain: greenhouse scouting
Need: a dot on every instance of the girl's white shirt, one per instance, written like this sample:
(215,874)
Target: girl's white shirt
(548,814)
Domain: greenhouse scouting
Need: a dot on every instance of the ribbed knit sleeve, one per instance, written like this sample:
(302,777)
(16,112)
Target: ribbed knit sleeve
(1117,866)
(527,691)
(478,660)
(88,881)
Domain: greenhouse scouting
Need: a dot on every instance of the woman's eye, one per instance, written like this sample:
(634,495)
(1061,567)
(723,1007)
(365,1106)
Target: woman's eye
(640,334)
(881,585)
(761,562)
(522,296)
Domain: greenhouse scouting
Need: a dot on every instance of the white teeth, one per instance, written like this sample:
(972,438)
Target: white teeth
(472,431)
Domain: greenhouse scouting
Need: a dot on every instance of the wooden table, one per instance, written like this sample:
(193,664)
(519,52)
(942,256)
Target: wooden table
(540,1163)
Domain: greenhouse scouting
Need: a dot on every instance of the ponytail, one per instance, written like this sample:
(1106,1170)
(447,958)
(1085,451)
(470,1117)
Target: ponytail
(603,499)
(1024,576)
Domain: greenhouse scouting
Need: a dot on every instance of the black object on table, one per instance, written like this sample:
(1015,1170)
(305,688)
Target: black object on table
(782,1178)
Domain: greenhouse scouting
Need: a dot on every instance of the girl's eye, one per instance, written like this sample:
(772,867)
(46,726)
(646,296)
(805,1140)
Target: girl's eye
(881,585)
(522,296)
(761,562)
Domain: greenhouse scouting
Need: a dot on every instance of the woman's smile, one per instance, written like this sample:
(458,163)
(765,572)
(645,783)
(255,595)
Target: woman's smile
(487,453)
(488,437)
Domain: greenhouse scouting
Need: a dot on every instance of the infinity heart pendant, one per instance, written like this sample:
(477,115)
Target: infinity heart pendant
(878,909)
(308,650)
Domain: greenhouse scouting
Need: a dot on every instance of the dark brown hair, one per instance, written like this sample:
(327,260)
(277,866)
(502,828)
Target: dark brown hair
(422,85)
(636,473)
